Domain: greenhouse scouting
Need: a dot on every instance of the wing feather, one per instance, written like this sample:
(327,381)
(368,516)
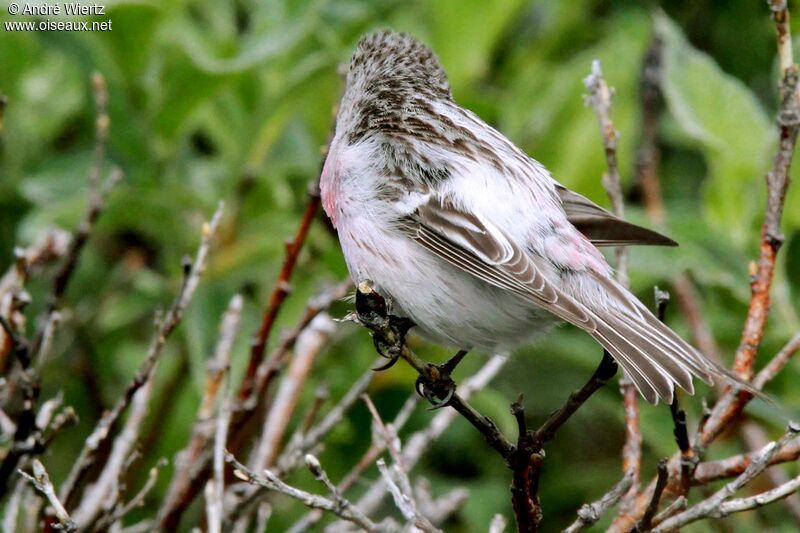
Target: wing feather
(603,228)
(654,357)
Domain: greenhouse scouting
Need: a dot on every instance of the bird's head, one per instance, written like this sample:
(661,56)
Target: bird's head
(390,74)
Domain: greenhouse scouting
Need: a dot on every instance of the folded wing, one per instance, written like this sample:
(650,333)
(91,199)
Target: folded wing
(654,356)
(601,227)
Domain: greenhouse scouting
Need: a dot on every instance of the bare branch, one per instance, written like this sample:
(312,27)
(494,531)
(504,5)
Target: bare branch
(104,493)
(279,293)
(679,504)
(41,481)
(590,513)
(652,508)
(403,500)
(190,458)
(599,98)
(710,471)
(368,459)
(777,363)
(271,482)
(215,487)
(295,451)
(309,344)
(136,501)
(732,402)
(711,506)
(242,416)
(166,327)
(419,442)
(759,500)
(438,510)
(97,201)
(399,484)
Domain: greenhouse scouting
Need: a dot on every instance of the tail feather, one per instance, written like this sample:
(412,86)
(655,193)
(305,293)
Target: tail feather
(655,357)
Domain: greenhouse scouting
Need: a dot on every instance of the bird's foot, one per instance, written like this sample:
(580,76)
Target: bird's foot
(392,353)
(391,346)
(437,385)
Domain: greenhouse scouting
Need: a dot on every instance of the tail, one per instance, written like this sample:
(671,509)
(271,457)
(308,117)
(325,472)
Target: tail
(654,356)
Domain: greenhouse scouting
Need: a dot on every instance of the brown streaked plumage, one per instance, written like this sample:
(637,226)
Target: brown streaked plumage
(487,248)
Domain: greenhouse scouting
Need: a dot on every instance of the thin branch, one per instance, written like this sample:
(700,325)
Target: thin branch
(104,493)
(755,437)
(599,98)
(188,459)
(777,181)
(590,513)
(167,325)
(97,201)
(215,487)
(731,404)
(759,500)
(711,506)
(309,344)
(319,473)
(137,500)
(271,482)
(295,451)
(602,375)
(272,365)
(419,442)
(401,490)
(710,471)
(438,510)
(243,413)
(281,290)
(777,363)
(652,508)
(679,504)
(403,500)
(367,459)
(41,481)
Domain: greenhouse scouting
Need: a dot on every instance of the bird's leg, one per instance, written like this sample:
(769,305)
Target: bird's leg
(392,350)
(388,330)
(436,385)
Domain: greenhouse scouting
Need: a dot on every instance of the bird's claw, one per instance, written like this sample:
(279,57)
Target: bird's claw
(426,391)
(393,354)
(437,387)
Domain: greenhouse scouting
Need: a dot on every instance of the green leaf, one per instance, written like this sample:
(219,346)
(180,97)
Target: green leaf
(544,113)
(719,115)
(465,32)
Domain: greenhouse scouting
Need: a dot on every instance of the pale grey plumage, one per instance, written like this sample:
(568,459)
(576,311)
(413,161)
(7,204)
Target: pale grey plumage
(470,237)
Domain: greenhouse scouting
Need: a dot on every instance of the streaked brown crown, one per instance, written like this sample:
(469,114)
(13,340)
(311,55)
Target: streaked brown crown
(388,60)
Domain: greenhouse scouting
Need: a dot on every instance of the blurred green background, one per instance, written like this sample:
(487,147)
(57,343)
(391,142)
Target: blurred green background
(234,100)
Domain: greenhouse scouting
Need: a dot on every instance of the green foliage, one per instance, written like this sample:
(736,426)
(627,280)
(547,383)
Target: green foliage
(233,101)
(712,110)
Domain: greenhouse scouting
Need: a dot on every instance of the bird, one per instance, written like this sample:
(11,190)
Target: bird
(469,237)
